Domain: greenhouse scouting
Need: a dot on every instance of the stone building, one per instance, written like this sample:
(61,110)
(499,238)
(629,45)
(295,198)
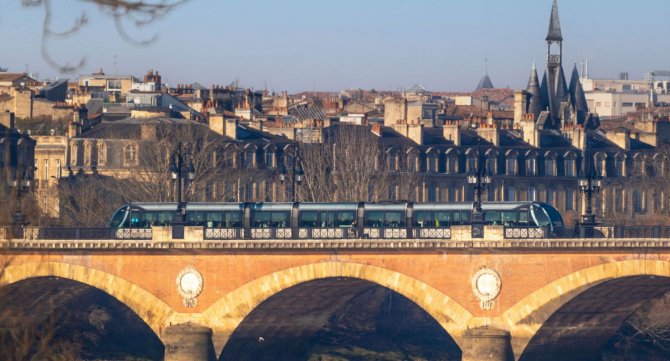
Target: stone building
(16,154)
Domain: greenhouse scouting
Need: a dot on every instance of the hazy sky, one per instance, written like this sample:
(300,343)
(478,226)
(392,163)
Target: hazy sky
(332,45)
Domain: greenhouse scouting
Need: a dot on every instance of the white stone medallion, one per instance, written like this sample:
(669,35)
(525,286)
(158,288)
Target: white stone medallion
(189,285)
(486,284)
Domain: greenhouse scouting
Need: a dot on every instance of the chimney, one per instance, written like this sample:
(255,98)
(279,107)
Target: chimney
(520,106)
(147,131)
(620,137)
(411,131)
(74,128)
(529,131)
(7,119)
(491,134)
(452,132)
(577,136)
(231,128)
(216,123)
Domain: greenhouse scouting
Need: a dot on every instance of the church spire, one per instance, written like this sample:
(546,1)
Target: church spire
(554,33)
(535,105)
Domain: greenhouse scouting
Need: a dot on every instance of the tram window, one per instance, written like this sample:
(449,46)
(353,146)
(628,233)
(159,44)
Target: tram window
(308,219)
(509,218)
(327,219)
(393,220)
(492,217)
(523,217)
(195,218)
(118,218)
(271,220)
(428,219)
(541,217)
(442,219)
(422,219)
(232,220)
(374,219)
(345,219)
(554,216)
(214,219)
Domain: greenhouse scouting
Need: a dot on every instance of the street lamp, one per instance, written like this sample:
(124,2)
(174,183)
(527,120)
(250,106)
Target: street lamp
(181,173)
(479,178)
(589,186)
(296,176)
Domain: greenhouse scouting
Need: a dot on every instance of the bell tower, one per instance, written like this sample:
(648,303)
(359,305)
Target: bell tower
(554,40)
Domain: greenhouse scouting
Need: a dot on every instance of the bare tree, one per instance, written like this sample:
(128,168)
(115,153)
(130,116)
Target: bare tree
(92,199)
(352,165)
(138,13)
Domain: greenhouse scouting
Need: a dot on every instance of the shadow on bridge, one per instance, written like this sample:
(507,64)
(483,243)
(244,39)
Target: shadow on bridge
(48,317)
(339,318)
(581,328)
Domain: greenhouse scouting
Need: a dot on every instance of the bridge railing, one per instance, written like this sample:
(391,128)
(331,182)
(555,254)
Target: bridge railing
(587,231)
(328,233)
(82,233)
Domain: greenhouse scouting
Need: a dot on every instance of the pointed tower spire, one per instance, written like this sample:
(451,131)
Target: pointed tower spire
(578,98)
(554,33)
(535,105)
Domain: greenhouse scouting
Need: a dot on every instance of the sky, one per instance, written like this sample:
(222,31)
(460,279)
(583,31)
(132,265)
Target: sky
(299,45)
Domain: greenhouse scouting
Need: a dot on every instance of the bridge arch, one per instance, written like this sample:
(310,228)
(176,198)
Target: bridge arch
(225,315)
(526,317)
(148,307)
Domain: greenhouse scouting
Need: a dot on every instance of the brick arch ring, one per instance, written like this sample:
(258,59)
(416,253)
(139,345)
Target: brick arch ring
(226,314)
(153,311)
(528,315)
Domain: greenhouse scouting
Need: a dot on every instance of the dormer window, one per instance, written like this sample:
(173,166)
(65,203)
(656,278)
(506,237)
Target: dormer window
(550,164)
(531,164)
(511,163)
(620,165)
(452,162)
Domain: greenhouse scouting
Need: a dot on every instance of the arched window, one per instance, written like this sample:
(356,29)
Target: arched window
(570,163)
(620,165)
(491,166)
(639,161)
(392,154)
(511,162)
(601,164)
(102,153)
(659,165)
(472,158)
(248,157)
(413,160)
(130,155)
(431,161)
(74,151)
(531,163)
(88,153)
(452,162)
(270,157)
(550,164)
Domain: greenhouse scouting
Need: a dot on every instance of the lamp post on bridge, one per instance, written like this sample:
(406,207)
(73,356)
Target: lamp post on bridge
(297,174)
(589,185)
(181,173)
(479,178)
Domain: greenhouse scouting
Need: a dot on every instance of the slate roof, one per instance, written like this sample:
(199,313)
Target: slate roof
(485,83)
(554,33)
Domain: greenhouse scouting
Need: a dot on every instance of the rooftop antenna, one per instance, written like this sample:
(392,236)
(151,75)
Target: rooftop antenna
(486,66)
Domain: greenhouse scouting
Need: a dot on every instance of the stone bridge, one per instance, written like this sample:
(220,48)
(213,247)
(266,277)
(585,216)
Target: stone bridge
(498,300)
